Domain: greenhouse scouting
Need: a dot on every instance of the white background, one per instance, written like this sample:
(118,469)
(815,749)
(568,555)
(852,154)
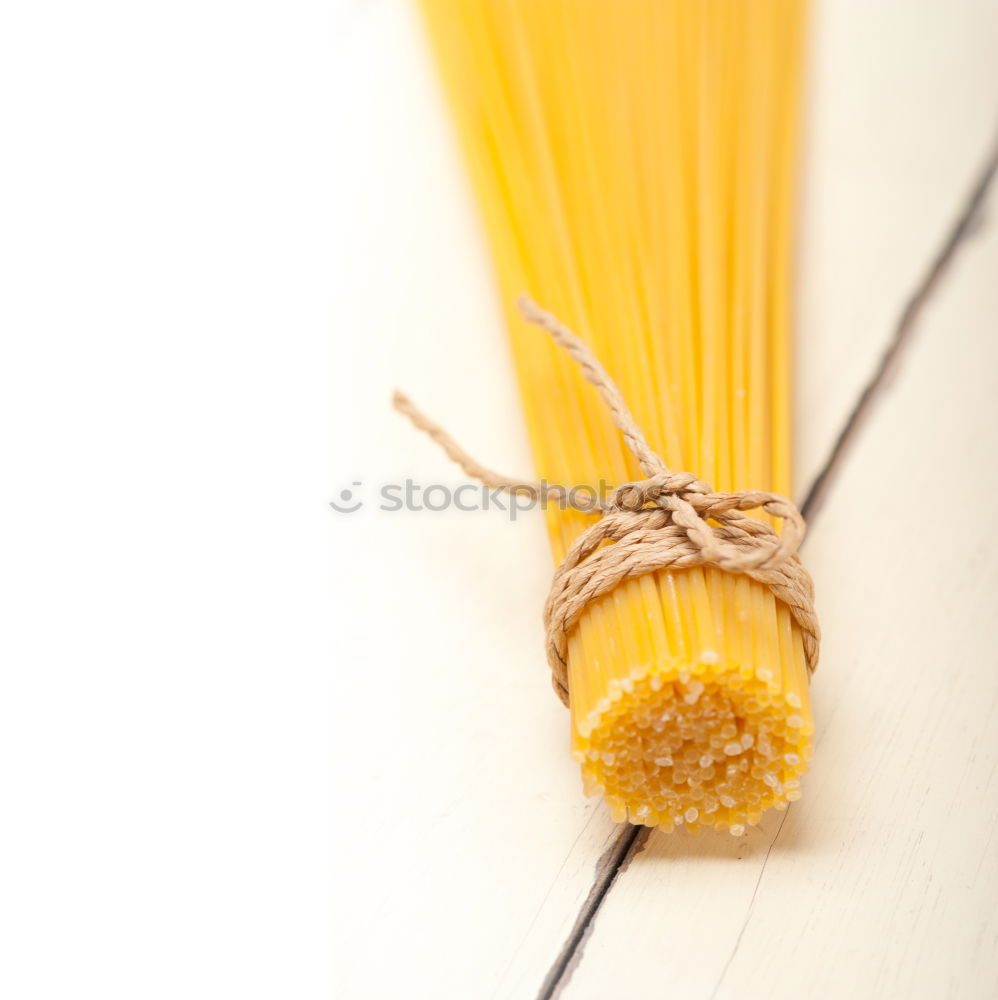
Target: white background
(169,677)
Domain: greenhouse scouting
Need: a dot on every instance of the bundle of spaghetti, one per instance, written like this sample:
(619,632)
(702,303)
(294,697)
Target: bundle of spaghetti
(634,161)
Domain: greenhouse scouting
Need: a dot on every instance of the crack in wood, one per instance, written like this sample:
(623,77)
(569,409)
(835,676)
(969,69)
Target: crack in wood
(628,842)
(967,223)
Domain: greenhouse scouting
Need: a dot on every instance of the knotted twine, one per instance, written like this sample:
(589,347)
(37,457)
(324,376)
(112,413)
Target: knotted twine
(669,520)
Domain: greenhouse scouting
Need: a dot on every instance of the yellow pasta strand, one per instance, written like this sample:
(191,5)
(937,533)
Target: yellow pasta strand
(634,161)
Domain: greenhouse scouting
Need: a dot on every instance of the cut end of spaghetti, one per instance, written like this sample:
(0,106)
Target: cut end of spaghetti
(707,746)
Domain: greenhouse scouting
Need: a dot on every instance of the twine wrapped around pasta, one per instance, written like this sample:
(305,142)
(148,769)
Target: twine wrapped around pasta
(670,520)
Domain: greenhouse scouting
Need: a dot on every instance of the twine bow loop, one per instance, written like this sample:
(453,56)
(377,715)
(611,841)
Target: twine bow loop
(692,505)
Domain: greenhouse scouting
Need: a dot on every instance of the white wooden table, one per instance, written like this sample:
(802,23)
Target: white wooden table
(468,863)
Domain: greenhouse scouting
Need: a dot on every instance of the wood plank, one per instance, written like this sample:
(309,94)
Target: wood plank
(466,848)
(882,879)
(901,114)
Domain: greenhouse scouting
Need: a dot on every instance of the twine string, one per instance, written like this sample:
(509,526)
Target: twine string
(669,520)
